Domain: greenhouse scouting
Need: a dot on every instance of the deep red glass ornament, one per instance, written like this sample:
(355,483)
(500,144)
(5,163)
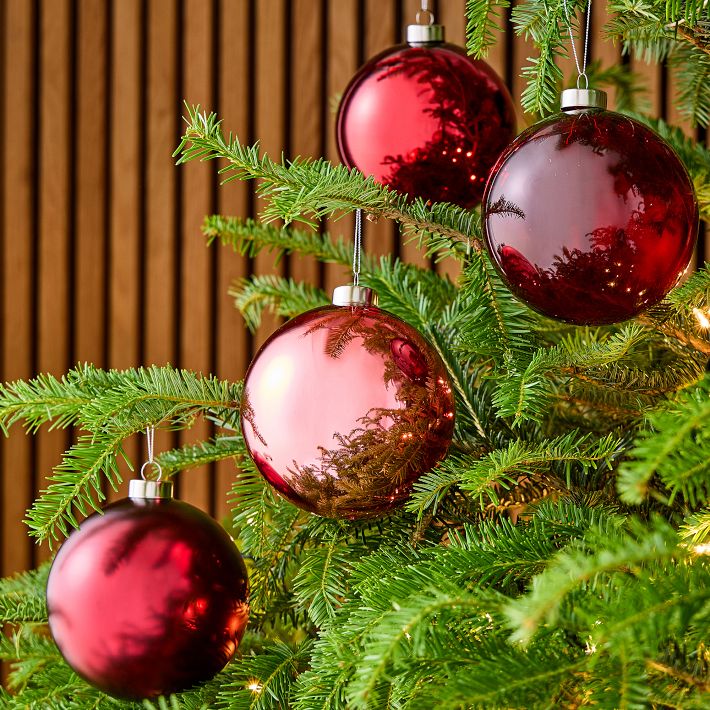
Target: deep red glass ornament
(590,217)
(427,120)
(148,598)
(344,407)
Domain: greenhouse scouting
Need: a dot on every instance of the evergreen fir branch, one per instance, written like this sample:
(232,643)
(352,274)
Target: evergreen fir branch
(489,321)
(281,296)
(75,485)
(544,24)
(48,400)
(575,567)
(642,29)
(195,455)
(416,295)
(506,555)
(506,468)
(481,26)
(249,237)
(692,76)
(141,398)
(308,190)
(674,447)
(22,596)
(264,681)
(696,528)
(396,634)
(320,583)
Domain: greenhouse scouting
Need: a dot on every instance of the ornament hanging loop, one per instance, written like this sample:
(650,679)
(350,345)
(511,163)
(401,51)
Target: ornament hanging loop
(151,462)
(581,70)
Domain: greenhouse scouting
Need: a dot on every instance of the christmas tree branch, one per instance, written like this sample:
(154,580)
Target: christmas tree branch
(308,190)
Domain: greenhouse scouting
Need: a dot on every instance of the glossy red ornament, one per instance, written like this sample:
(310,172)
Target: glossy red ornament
(590,217)
(427,120)
(148,598)
(344,407)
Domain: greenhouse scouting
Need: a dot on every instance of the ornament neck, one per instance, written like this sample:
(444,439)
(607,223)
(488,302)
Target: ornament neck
(573,100)
(425,31)
(140,488)
(352,295)
(418,35)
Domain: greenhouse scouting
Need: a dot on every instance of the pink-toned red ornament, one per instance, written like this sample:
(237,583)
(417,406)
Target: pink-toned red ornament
(345,406)
(590,216)
(148,598)
(426,119)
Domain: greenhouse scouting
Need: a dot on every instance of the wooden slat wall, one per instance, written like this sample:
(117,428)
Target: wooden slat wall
(100,251)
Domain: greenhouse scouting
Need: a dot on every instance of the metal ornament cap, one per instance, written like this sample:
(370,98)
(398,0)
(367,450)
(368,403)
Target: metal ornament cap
(424,34)
(581,99)
(352,295)
(140,488)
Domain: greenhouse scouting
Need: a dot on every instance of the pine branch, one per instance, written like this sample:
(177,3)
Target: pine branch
(195,455)
(22,597)
(482,25)
(137,399)
(308,190)
(575,566)
(249,237)
(674,447)
(282,297)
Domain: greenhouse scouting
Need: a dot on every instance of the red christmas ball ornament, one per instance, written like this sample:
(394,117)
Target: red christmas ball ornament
(148,598)
(345,406)
(590,216)
(426,119)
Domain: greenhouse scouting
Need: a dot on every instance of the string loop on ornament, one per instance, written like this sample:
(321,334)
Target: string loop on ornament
(581,71)
(357,247)
(150,439)
(425,16)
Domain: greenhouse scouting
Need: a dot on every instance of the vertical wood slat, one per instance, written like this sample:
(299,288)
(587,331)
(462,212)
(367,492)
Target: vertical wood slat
(234,344)
(160,254)
(196,267)
(125,196)
(18,266)
(54,209)
(342,53)
(269,117)
(91,205)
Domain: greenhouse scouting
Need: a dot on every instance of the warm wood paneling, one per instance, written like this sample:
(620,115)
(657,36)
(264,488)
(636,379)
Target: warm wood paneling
(102,257)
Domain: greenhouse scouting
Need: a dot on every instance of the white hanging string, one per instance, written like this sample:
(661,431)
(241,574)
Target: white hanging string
(581,71)
(150,440)
(357,247)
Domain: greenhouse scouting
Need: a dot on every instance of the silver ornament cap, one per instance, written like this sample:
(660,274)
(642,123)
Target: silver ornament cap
(140,488)
(581,99)
(424,34)
(352,295)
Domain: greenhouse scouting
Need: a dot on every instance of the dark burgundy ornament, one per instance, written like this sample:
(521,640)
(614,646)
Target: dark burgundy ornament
(345,406)
(426,119)
(590,216)
(148,598)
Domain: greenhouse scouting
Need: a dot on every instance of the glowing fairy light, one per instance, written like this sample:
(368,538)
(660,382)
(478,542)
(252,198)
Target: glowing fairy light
(702,318)
(255,686)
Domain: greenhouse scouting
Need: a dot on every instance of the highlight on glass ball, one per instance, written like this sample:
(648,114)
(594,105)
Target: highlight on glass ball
(344,407)
(590,216)
(148,598)
(427,120)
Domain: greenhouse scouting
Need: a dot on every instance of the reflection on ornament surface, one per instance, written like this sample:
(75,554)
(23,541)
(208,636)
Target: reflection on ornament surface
(344,408)
(149,598)
(427,121)
(590,217)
